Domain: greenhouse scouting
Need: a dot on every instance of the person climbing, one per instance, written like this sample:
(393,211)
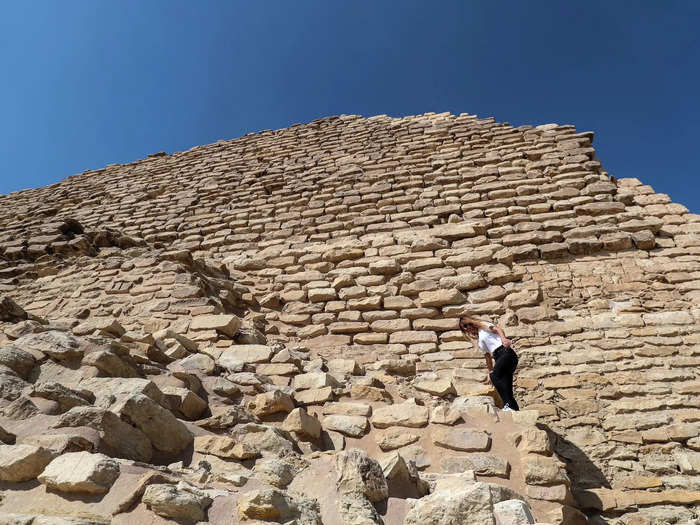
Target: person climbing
(495,346)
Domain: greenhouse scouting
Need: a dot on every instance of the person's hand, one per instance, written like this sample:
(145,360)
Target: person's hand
(507,342)
(487,379)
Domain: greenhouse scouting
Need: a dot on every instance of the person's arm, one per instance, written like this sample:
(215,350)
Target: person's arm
(504,339)
(489,365)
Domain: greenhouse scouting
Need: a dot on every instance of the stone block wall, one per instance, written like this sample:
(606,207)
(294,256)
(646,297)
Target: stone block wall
(367,238)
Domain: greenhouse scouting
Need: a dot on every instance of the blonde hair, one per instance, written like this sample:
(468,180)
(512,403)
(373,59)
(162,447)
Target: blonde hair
(478,323)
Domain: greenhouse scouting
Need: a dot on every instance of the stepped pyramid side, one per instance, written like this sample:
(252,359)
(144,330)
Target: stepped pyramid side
(347,248)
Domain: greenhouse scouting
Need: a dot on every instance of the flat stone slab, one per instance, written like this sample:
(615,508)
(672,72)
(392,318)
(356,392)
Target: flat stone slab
(401,415)
(226,324)
(248,354)
(462,439)
(479,462)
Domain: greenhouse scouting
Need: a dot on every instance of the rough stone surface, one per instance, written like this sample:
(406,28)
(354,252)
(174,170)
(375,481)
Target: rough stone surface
(22,462)
(329,262)
(80,472)
(170,501)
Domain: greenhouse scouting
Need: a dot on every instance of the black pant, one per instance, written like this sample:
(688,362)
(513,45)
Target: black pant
(502,374)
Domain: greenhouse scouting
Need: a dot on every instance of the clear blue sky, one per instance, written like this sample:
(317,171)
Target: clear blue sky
(89,83)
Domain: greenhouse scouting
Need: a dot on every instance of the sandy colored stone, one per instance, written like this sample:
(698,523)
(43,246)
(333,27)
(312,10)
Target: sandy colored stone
(226,324)
(22,462)
(271,403)
(170,501)
(403,415)
(394,437)
(353,426)
(80,472)
(462,439)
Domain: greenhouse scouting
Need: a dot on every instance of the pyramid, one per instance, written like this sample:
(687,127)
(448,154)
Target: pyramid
(255,314)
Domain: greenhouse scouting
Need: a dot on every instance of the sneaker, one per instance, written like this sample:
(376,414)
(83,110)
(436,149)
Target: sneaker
(507,408)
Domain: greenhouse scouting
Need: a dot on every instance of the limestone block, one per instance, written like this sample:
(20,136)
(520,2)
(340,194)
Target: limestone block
(462,439)
(271,402)
(120,438)
(512,512)
(441,297)
(542,470)
(357,473)
(224,447)
(22,462)
(80,472)
(224,323)
(165,432)
(177,503)
(413,337)
(314,380)
(299,421)
(314,396)
(480,462)
(348,409)
(353,426)
(470,504)
(433,384)
(248,354)
(403,414)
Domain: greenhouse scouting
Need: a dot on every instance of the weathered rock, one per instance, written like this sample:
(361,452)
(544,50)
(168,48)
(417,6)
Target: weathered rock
(472,504)
(186,402)
(357,473)
(165,432)
(80,472)
(118,438)
(271,403)
(393,438)
(225,324)
(17,360)
(66,398)
(224,447)
(177,503)
(353,426)
(58,345)
(541,470)
(512,512)
(277,506)
(484,464)
(22,462)
(300,422)
(463,439)
(10,311)
(275,472)
(403,415)
(247,354)
(11,386)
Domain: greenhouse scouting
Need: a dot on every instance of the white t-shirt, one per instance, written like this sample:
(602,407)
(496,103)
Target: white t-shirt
(488,341)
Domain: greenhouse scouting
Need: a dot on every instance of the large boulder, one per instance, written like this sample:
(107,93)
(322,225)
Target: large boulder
(472,504)
(22,462)
(80,472)
(163,429)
